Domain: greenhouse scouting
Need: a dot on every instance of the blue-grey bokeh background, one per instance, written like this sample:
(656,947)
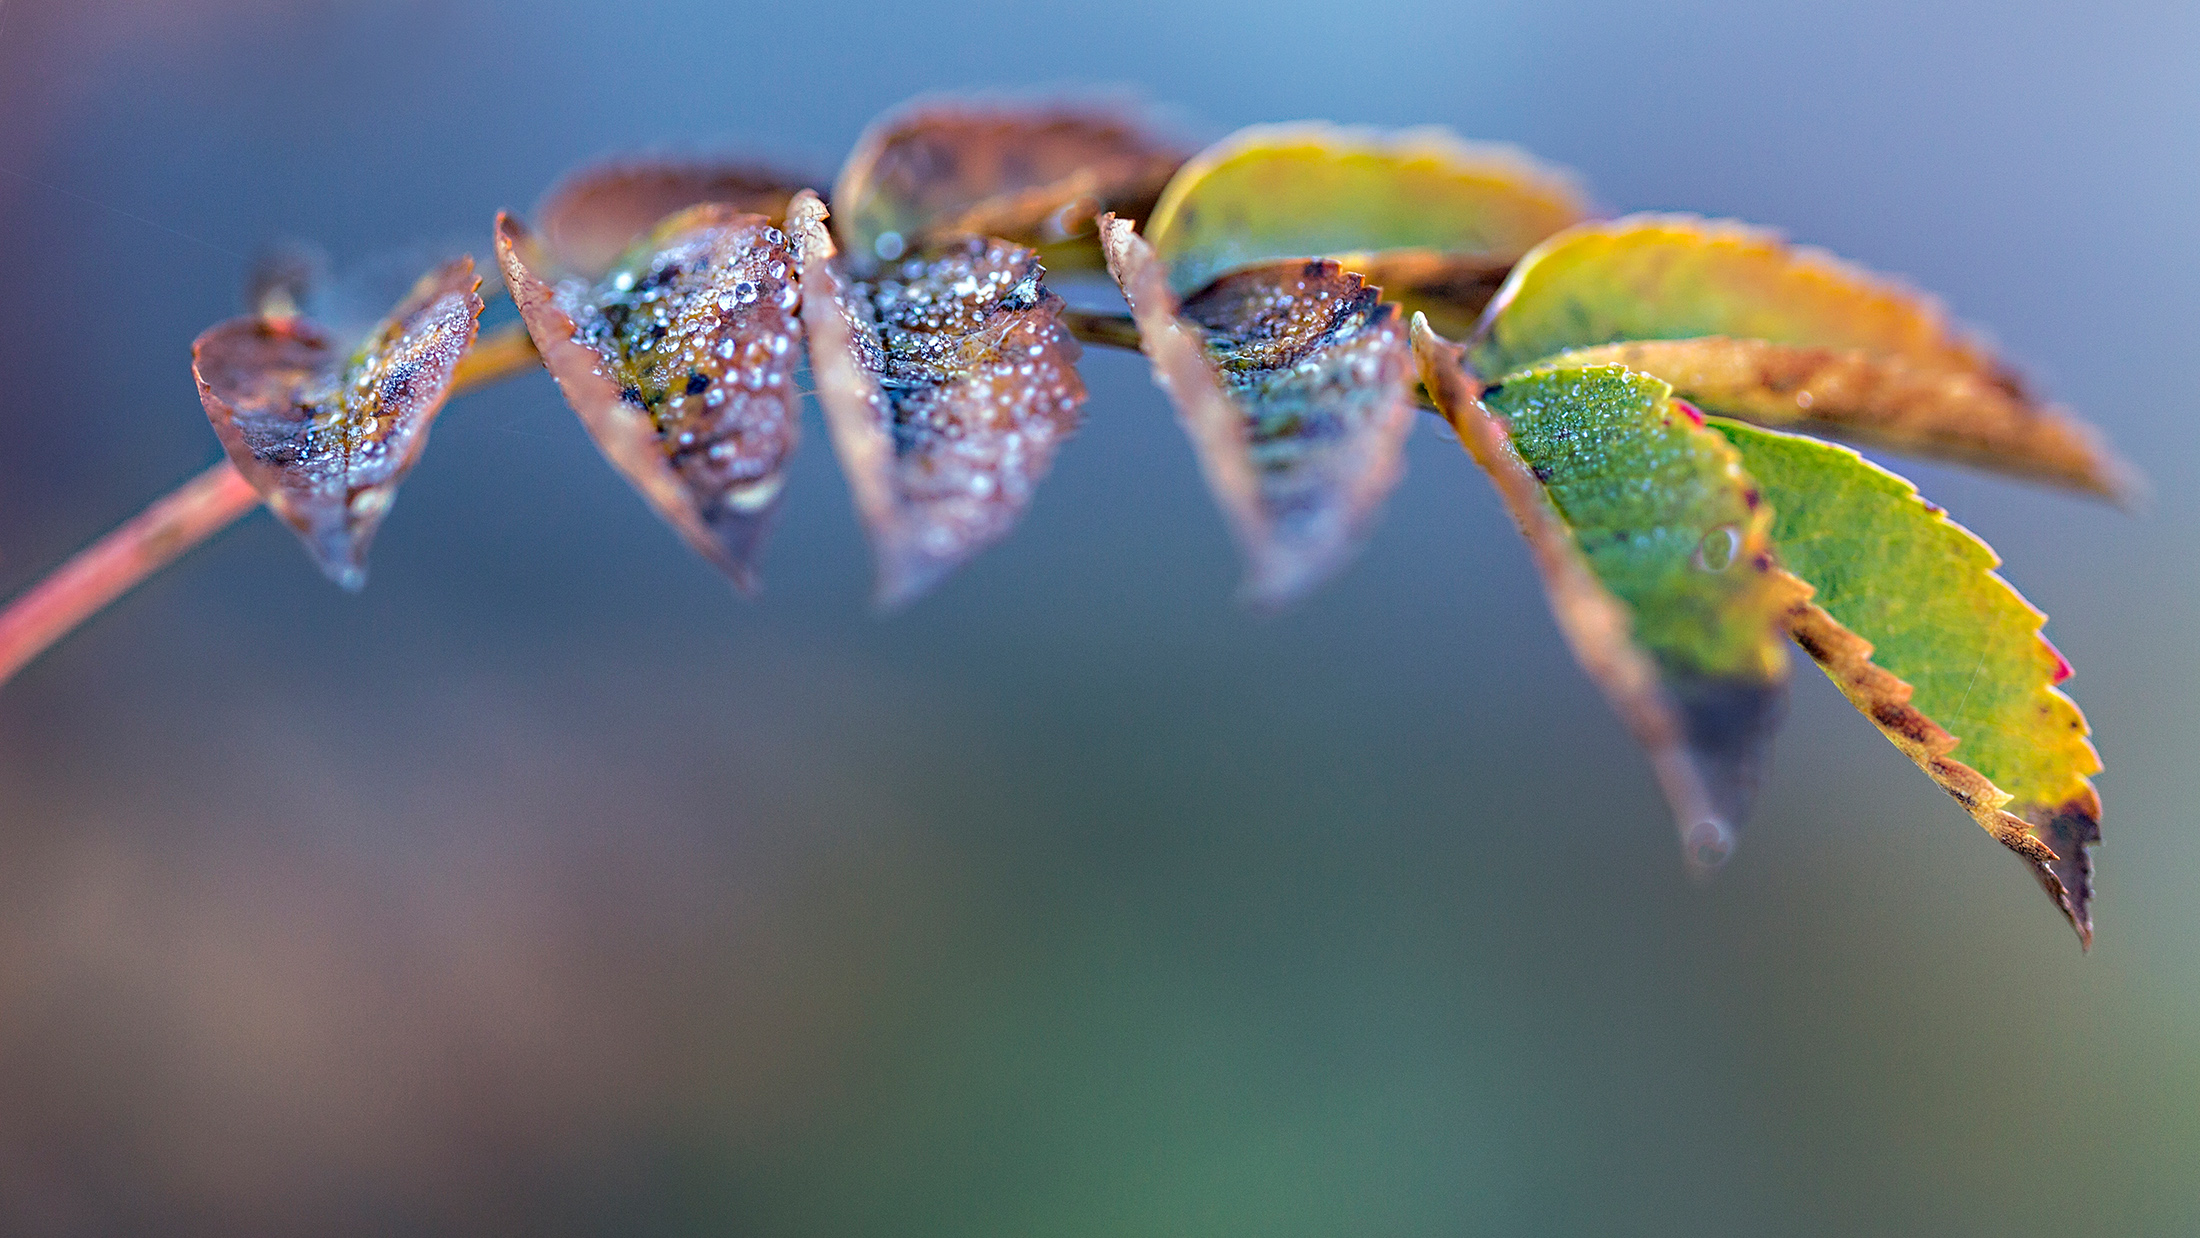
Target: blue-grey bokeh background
(547,888)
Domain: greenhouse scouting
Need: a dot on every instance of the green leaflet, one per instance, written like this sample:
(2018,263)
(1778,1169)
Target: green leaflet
(1670,525)
(1433,220)
(1669,520)
(1893,569)
(1706,737)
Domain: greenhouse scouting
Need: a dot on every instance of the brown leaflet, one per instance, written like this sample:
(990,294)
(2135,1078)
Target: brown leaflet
(1034,175)
(326,438)
(588,219)
(2064,867)
(681,364)
(1687,741)
(1294,383)
(1455,288)
(947,383)
(1882,400)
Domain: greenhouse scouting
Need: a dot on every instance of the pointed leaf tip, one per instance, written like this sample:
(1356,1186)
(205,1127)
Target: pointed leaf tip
(1678,637)
(948,382)
(681,362)
(327,438)
(1912,622)
(1294,382)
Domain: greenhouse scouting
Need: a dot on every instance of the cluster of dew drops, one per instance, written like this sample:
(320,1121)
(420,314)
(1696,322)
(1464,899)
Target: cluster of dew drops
(1322,361)
(706,340)
(980,376)
(363,421)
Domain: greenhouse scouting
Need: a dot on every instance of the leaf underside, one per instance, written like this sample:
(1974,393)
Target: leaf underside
(1664,516)
(948,382)
(1294,381)
(1768,332)
(1034,175)
(1912,622)
(591,218)
(681,362)
(324,438)
(1432,220)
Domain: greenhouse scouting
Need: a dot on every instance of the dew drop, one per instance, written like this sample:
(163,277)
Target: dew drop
(1708,844)
(889,246)
(755,496)
(1719,548)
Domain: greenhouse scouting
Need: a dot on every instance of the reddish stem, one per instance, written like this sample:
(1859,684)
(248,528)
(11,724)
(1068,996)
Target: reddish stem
(159,535)
(114,564)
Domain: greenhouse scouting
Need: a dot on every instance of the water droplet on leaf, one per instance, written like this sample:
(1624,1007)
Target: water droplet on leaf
(1719,548)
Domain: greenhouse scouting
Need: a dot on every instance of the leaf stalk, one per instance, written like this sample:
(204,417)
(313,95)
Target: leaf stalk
(182,520)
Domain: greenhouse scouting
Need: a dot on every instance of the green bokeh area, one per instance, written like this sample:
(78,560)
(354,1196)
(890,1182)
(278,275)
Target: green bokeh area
(547,888)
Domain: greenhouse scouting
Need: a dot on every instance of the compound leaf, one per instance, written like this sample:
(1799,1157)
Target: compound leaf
(1294,381)
(681,362)
(1802,337)
(1435,221)
(326,437)
(1655,548)
(1912,622)
(948,382)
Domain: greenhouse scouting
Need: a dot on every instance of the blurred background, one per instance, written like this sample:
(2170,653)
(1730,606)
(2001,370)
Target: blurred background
(548,888)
